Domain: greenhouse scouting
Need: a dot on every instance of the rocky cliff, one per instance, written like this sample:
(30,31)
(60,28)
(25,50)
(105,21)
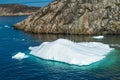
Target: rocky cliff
(75,17)
(16,9)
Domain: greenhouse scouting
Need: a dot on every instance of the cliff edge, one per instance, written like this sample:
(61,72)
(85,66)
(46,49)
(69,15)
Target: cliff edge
(75,17)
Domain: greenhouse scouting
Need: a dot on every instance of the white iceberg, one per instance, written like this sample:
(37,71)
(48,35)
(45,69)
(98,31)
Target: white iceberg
(115,45)
(20,56)
(98,37)
(83,53)
(6,26)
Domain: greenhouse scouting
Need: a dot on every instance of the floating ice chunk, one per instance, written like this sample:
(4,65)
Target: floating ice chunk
(83,53)
(16,39)
(23,39)
(98,37)
(6,26)
(115,45)
(20,56)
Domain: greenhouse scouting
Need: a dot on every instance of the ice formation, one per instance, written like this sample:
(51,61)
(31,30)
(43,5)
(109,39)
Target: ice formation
(20,56)
(98,37)
(83,53)
(16,39)
(6,26)
(115,45)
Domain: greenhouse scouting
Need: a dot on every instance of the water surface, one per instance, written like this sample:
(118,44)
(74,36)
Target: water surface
(12,41)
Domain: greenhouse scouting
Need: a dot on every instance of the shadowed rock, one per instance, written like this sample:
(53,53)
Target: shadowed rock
(75,17)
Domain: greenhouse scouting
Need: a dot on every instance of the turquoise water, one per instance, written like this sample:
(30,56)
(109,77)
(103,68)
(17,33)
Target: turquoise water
(13,41)
(27,2)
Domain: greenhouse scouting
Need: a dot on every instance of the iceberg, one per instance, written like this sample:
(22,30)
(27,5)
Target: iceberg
(63,50)
(98,37)
(115,45)
(20,56)
(6,26)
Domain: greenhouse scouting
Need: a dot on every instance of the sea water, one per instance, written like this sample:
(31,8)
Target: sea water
(29,67)
(13,41)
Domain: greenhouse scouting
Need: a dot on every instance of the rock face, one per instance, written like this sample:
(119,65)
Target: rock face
(75,17)
(16,9)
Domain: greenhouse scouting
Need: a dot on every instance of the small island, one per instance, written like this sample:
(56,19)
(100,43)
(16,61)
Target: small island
(16,10)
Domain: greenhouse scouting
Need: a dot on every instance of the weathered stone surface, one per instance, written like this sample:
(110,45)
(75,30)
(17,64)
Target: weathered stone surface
(75,17)
(16,9)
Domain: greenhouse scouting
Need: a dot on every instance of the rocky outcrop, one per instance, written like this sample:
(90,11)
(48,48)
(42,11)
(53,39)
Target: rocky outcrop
(75,17)
(16,9)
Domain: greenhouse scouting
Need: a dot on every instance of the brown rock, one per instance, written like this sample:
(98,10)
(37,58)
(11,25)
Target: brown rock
(75,17)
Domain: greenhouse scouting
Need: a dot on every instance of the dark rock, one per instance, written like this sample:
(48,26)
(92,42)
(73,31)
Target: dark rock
(75,17)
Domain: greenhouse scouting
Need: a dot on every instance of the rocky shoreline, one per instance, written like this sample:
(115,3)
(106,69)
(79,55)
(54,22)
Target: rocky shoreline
(75,17)
(16,10)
